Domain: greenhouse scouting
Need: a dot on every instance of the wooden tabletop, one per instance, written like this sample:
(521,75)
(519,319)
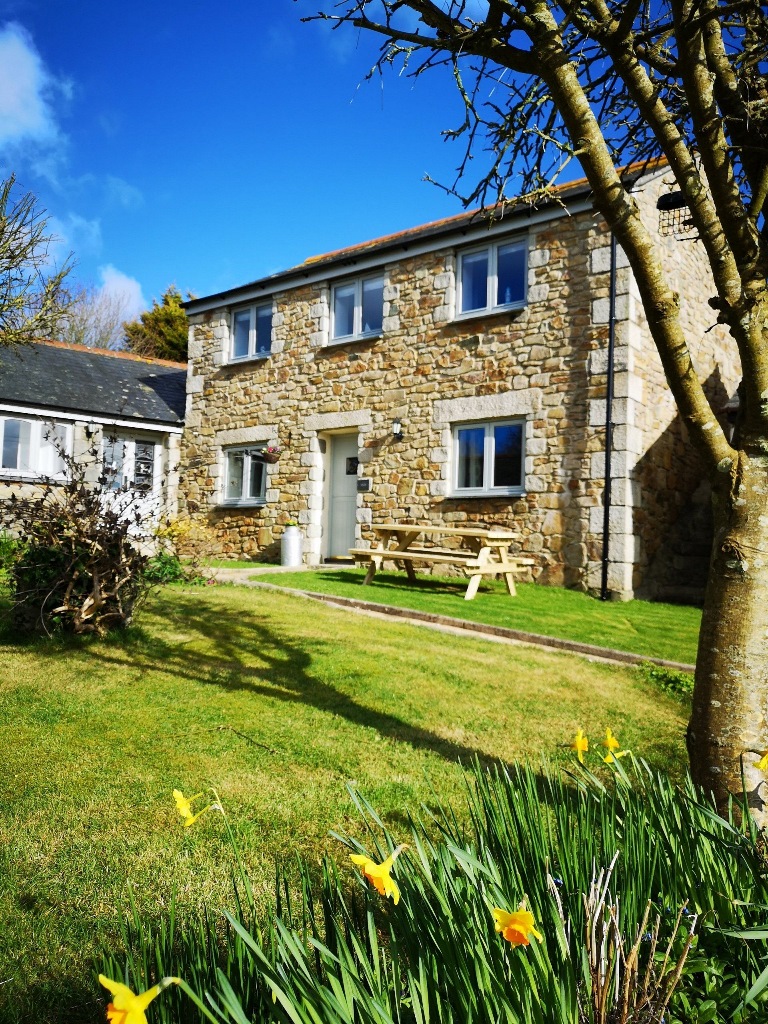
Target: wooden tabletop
(446,531)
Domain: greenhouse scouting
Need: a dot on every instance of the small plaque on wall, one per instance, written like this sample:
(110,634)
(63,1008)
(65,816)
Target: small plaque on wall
(363,483)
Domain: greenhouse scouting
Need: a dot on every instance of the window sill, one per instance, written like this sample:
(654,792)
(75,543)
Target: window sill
(511,492)
(483,314)
(352,339)
(13,476)
(244,503)
(239,360)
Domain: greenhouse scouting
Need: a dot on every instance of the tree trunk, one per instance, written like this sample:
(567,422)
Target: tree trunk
(728,730)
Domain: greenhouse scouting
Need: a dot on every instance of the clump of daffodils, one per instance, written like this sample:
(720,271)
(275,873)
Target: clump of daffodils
(379,874)
(127,1007)
(516,927)
(184,806)
(611,743)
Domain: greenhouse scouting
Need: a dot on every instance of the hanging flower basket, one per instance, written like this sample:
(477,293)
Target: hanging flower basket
(271,454)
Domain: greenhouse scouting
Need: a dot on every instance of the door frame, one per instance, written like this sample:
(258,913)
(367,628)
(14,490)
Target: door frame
(328,439)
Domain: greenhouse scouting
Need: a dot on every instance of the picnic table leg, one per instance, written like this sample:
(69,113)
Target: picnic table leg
(411,572)
(509,579)
(474,583)
(371,571)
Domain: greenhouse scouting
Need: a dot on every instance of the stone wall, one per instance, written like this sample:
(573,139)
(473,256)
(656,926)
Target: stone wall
(545,363)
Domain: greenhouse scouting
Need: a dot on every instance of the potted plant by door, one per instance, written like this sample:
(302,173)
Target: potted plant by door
(271,453)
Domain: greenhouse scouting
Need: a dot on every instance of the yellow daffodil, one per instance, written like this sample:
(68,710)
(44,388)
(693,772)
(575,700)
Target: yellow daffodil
(762,764)
(184,807)
(379,874)
(580,745)
(612,746)
(127,1007)
(517,926)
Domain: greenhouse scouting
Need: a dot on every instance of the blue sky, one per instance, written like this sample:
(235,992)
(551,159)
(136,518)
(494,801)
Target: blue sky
(209,144)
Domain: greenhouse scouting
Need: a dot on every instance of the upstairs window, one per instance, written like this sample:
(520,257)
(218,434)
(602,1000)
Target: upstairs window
(357,308)
(33,448)
(493,277)
(489,457)
(246,477)
(252,332)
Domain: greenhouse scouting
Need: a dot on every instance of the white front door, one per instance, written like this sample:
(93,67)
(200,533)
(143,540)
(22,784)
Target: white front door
(342,494)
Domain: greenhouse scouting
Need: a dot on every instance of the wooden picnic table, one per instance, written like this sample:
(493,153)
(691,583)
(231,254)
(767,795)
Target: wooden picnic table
(482,552)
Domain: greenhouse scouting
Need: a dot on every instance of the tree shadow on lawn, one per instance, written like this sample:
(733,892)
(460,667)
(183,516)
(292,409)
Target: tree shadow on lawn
(286,676)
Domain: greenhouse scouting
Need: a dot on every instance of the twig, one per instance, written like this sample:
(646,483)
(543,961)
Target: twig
(242,735)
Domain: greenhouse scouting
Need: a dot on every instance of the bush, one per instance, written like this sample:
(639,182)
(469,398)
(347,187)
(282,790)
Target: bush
(165,567)
(632,883)
(671,681)
(82,556)
(9,551)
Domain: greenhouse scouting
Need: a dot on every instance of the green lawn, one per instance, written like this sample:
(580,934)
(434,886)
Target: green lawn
(641,627)
(277,701)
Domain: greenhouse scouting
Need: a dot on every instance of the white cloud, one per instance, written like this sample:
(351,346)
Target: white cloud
(27,89)
(73,233)
(121,193)
(127,289)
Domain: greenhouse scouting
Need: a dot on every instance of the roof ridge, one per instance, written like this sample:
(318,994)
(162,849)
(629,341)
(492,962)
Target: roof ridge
(469,214)
(115,353)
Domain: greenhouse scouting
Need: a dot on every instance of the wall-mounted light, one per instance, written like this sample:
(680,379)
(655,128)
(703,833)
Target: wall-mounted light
(397,428)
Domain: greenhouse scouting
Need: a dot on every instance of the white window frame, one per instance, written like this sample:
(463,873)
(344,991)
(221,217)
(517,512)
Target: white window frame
(252,352)
(37,438)
(357,326)
(487,488)
(129,440)
(491,279)
(250,452)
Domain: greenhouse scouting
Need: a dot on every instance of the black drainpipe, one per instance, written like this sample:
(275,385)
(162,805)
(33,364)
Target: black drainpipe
(604,595)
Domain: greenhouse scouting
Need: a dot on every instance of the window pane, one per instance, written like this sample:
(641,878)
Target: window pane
(11,429)
(474,281)
(511,270)
(53,444)
(470,443)
(256,479)
(144,469)
(263,330)
(373,305)
(241,327)
(114,458)
(508,455)
(235,467)
(343,310)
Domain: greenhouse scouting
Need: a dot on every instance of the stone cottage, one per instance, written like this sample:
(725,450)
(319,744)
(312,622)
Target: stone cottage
(457,374)
(111,409)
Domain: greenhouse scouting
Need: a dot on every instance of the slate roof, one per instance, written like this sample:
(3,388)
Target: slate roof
(72,378)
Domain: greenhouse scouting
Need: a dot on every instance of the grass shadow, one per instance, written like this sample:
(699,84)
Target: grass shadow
(283,673)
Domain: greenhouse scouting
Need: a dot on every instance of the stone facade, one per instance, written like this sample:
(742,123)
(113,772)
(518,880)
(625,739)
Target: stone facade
(542,365)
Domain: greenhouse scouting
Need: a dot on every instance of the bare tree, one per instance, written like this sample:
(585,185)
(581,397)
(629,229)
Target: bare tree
(32,299)
(94,318)
(606,83)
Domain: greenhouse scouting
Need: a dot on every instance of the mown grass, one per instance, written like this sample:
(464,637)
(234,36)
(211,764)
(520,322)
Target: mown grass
(278,702)
(641,627)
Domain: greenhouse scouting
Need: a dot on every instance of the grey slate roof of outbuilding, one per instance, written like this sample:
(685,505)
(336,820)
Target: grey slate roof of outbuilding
(75,379)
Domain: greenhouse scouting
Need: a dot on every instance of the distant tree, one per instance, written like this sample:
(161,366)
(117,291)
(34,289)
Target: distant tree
(32,297)
(94,318)
(160,332)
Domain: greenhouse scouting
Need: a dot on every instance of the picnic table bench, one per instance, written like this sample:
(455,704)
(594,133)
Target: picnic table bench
(482,552)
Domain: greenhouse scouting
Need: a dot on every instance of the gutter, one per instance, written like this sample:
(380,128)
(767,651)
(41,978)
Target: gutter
(604,592)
